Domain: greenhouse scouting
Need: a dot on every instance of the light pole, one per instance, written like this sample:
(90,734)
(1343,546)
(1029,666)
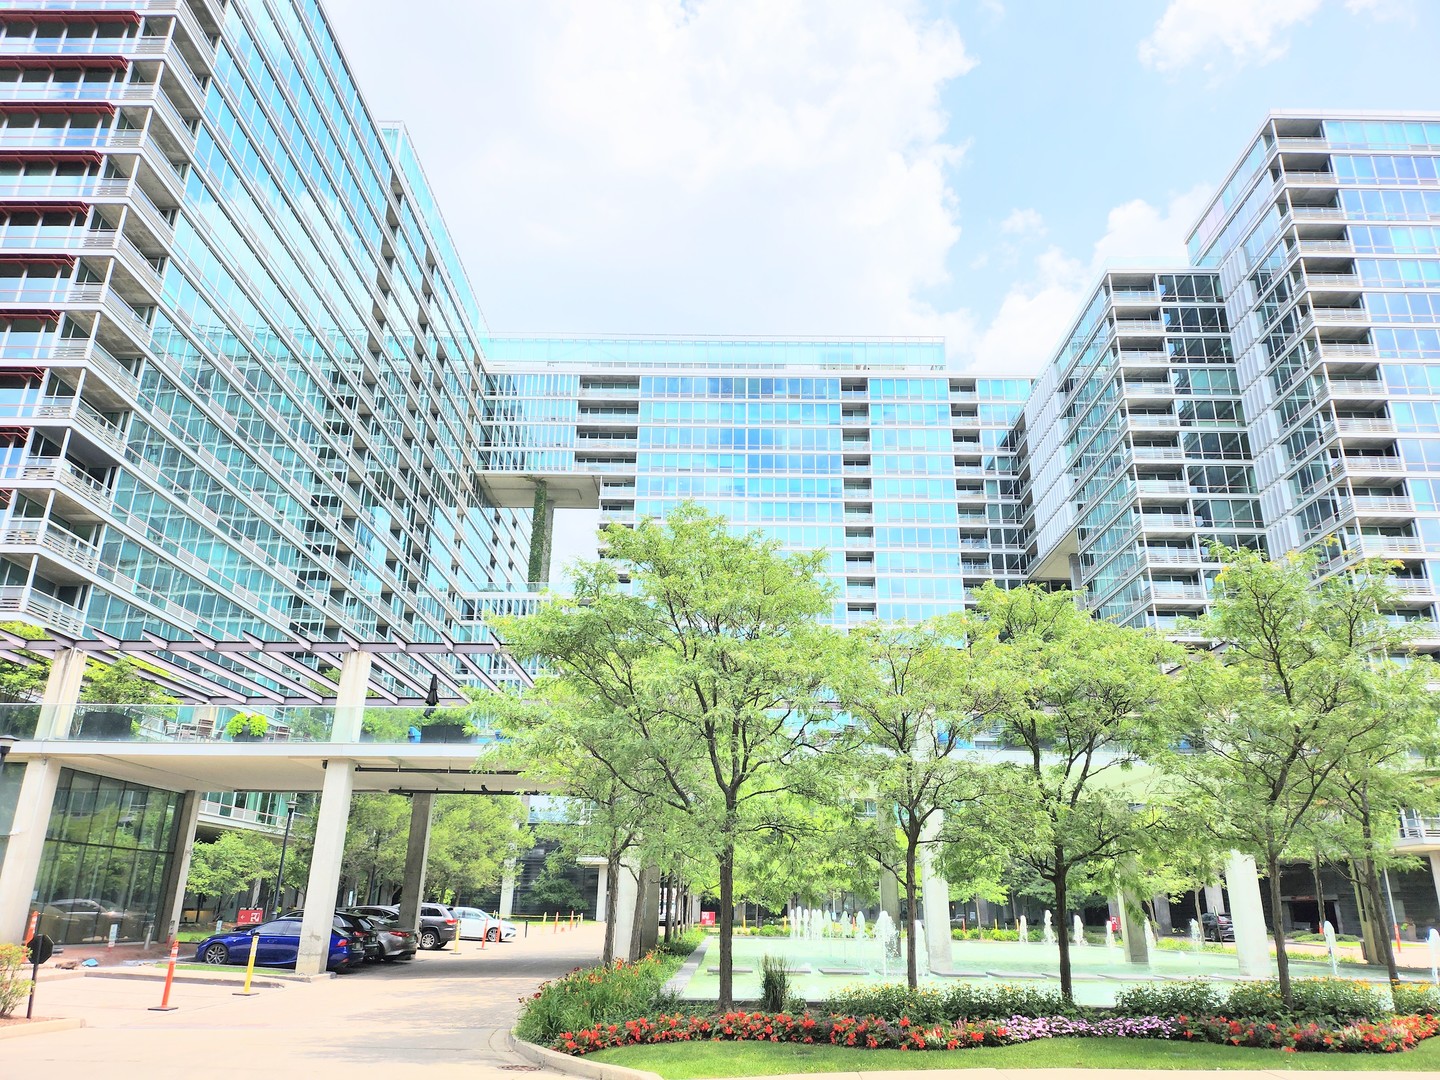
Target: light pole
(284,843)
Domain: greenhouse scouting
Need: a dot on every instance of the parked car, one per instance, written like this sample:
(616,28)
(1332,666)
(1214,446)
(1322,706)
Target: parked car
(437,923)
(476,923)
(1216,926)
(391,942)
(279,945)
(361,926)
(76,920)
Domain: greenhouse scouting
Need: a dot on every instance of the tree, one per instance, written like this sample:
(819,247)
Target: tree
(1082,700)
(471,838)
(913,696)
(553,890)
(706,663)
(230,863)
(1284,699)
(22,682)
(121,683)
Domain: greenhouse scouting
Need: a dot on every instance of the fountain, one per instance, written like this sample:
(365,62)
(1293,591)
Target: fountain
(887,937)
(1197,938)
(860,925)
(1079,936)
(1109,934)
(1433,940)
(1024,930)
(1329,932)
(1049,929)
(1149,936)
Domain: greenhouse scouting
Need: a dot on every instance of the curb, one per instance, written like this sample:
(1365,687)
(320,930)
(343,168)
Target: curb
(201,980)
(40,1027)
(575,1066)
(681,979)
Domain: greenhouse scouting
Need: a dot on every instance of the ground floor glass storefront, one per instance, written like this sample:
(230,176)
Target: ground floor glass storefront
(105,859)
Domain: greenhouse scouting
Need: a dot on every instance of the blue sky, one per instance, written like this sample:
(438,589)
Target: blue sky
(753,166)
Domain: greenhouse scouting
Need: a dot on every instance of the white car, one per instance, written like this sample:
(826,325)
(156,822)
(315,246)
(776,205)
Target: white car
(476,924)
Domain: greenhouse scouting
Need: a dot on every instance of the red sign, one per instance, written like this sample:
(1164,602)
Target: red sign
(707,918)
(250,916)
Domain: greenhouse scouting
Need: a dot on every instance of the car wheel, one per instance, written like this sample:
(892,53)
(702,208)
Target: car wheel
(216,954)
(429,939)
(493,934)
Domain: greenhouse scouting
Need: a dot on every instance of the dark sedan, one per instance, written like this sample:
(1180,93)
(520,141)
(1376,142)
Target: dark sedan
(279,945)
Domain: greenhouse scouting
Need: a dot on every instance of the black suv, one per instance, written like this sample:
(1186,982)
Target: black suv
(437,924)
(1217,927)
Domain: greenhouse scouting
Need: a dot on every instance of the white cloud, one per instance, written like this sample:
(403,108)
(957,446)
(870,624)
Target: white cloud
(1237,32)
(1025,222)
(669,166)
(1035,314)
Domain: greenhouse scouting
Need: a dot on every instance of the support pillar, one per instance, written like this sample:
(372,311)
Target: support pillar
(1435,873)
(177,870)
(934,898)
(650,918)
(507,889)
(27,843)
(1163,926)
(62,691)
(626,896)
(1132,929)
(1247,915)
(331,820)
(1214,899)
(602,894)
(417,853)
(542,530)
(890,894)
(350,695)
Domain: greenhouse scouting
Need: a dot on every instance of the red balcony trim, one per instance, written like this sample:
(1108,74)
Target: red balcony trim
(58,207)
(60,63)
(26,258)
(47,15)
(105,107)
(90,157)
(47,314)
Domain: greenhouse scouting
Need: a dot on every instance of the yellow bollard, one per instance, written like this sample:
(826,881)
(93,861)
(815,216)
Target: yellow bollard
(458,938)
(556,928)
(249,968)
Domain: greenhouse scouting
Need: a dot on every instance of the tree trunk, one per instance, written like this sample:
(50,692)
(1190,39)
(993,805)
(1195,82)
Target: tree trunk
(912,967)
(1199,920)
(1375,900)
(637,924)
(1277,923)
(726,997)
(1369,950)
(612,905)
(1067,982)
(666,901)
(1319,896)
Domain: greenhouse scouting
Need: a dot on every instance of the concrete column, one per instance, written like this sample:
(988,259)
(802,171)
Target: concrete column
(350,695)
(934,898)
(602,895)
(1132,929)
(626,896)
(417,853)
(27,842)
(62,691)
(1248,915)
(507,889)
(890,894)
(1162,914)
(1435,873)
(1214,899)
(177,870)
(330,823)
(542,531)
(650,918)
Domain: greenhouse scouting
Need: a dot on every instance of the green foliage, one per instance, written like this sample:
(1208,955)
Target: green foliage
(24,681)
(121,683)
(1415,999)
(924,1005)
(604,995)
(682,945)
(251,724)
(230,863)
(1322,1001)
(14,987)
(552,890)
(774,983)
(1193,997)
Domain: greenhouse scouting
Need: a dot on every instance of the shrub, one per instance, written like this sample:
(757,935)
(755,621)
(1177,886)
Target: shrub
(14,988)
(683,944)
(1320,1001)
(601,995)
(971,1002)
(890,1001)
(1415,999)
(1189,998)
(774,983)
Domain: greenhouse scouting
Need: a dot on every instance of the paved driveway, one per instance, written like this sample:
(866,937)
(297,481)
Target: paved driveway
(438,1016)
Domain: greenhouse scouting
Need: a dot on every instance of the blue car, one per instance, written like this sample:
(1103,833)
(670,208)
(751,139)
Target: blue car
(279,945)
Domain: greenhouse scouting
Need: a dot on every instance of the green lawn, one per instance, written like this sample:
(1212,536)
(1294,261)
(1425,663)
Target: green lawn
(689,1061)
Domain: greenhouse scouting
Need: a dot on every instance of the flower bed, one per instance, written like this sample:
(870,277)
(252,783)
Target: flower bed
(873,1033)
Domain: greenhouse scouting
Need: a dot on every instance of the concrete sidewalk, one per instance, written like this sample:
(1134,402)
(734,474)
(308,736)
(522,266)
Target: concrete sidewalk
(439,1016)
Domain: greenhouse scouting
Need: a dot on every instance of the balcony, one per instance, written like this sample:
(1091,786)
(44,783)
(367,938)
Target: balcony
(92,494)
(1365,425)
(1317,213)
(1157,523)
(65,547)
(1157,453)
(1153,421)
(1376,465)
(1162,487)
(1326,247)
(1379,505)
(1310,179)
(42,610)
(1177,592)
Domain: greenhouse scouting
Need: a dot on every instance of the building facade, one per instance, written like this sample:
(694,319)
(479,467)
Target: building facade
(247,393)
